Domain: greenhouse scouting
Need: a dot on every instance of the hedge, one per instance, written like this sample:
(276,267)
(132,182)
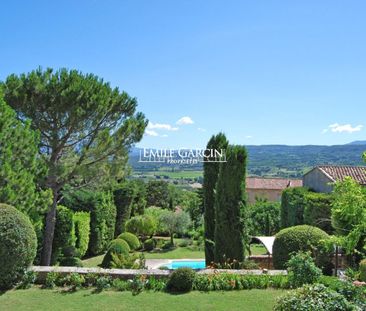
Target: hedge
(64,232)
(317,210)
(300,206)
(82,231)
(18,245)
(294,239)
(102,223)
(123,199)
(292,206)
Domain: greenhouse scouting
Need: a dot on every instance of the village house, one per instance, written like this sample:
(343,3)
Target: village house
(268,188)
(320,178)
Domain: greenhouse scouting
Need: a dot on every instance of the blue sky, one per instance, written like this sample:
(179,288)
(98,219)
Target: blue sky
(264,72)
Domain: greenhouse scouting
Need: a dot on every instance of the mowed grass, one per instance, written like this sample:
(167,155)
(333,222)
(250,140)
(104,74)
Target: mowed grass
(42,299)
(177,253)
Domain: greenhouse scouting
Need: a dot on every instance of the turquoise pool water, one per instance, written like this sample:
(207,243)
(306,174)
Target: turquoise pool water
(194,264)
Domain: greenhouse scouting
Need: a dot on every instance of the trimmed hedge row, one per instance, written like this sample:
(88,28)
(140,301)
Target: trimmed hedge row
(300,206)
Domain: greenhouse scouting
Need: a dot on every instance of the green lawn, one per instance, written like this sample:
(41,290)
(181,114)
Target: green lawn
(177,253)
(38,299)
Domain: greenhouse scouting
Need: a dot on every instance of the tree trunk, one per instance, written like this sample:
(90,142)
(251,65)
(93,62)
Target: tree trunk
(49,232)
(171,239)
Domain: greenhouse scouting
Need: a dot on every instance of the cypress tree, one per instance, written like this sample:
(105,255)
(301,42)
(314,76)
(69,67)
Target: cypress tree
(210,175)
(230,206)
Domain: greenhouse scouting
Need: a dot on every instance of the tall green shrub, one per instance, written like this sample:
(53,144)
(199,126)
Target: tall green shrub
(292,206)
(317,210)
(230,206)
(102,223)
(210,175)
(18,245)
(82,232)
(64,232)
(123,199)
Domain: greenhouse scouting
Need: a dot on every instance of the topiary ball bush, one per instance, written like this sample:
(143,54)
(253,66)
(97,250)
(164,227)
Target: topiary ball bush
(363,270)
(117,246)
(300,238)
(149,245)
(18,245)
(181,280)
(131,239)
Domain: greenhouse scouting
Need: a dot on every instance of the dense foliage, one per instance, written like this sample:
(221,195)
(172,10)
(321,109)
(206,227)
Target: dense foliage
(18,245)
(309,296)
(302,270)
(102,223)
(300,238)
(157,194)
(317,210)
(363,270)
(125,197)
(210,175)
(264,218)
(301,206)
(142,226)
(175,222)
(20,166)
(86,128)
(230,206)
(82,232)
(292,207)
(64,232)
(181,280)
(349,216)
(116,247)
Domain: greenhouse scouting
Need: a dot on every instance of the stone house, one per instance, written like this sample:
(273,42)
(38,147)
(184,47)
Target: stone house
(320,178)
(268,188)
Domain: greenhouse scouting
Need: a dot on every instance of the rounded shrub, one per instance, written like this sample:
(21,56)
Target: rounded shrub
(131,239)
(149,245)
(363,270)
(181,280)
(309,296)
(299,238)
(117,246)
(18,245)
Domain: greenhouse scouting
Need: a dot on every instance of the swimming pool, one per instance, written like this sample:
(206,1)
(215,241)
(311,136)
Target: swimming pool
(194,264)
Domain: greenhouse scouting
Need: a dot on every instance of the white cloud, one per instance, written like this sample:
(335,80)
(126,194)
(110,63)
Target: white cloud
(249,136)
(185,121)
(151,133)
(164,135)
(201,129)
(161,126)
(342,128)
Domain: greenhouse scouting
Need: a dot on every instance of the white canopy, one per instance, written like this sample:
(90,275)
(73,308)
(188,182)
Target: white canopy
(267,241)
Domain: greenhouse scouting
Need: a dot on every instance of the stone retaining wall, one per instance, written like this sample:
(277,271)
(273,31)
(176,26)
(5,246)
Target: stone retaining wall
(130,273)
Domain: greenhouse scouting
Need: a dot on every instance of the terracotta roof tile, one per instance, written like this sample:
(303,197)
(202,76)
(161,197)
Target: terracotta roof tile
(272,183)
(337,172)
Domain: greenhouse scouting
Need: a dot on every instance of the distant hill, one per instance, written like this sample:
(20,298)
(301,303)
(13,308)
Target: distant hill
(276,160)
(358,142)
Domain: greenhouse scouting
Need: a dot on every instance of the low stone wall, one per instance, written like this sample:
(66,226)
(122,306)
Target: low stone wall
(263,261)
(130,273)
